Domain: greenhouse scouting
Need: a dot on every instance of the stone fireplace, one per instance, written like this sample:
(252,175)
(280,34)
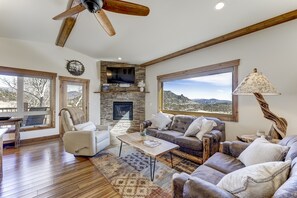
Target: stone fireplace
(127,102)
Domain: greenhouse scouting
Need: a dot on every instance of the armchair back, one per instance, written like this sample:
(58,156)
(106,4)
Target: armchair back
(69,117)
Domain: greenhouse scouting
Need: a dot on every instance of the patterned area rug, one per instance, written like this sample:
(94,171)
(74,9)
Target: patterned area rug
(130,174)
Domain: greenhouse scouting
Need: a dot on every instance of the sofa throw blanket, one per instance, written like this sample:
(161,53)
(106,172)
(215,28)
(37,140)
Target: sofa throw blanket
(77,115)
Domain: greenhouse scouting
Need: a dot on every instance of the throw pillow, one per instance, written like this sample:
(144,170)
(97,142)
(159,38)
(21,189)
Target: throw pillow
(261,150)
(160,121)
(194,127)
(207,126)
(87,126)
(259,180)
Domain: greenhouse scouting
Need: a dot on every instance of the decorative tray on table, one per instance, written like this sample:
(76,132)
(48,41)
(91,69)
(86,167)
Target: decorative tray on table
(151,143)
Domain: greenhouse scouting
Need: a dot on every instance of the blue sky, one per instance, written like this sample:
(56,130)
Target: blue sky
(217,86)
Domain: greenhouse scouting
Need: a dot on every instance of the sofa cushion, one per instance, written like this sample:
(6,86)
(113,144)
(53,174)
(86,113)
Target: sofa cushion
(288,140)
(292,153)
(288,189)
(101,135)
(224,163)
(257,152)
(181,123)
(189,142)
(198,188)
(220,126)
(258,180)
(67,121)
(208,174)
(207,126)
(160,121)
(194,127)
(87,126)
(169,135)
(152,132)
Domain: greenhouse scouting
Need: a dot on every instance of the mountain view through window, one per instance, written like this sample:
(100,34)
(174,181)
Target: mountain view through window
(210,94)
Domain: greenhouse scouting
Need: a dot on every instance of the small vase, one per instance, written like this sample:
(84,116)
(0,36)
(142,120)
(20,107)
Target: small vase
(141,89)
(143,133)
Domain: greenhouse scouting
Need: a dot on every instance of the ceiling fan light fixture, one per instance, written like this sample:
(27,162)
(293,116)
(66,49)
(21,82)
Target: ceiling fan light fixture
(219,5)
(93,5)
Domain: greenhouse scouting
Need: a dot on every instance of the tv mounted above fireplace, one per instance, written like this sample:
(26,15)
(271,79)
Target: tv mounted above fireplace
(120,75)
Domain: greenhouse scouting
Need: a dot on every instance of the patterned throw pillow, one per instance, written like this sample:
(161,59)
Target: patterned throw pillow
(259,180)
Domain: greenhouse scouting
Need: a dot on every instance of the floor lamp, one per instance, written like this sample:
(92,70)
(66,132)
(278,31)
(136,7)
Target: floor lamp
(258,85)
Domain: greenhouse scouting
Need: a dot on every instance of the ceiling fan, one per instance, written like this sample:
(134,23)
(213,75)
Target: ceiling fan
(97,7)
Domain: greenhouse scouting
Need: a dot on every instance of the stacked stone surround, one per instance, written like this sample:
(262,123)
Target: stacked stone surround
(121,94)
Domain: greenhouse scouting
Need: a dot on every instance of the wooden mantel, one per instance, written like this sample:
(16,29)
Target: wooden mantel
(232,35)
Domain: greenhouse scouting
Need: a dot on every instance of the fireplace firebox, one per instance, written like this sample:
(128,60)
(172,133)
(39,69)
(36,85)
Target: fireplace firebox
(122,110)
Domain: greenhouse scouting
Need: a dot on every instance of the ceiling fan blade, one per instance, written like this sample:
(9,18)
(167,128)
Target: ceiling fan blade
(70,12)
(124,7)
(105,23)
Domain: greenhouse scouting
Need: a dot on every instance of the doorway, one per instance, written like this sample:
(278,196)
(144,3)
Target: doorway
(74,92)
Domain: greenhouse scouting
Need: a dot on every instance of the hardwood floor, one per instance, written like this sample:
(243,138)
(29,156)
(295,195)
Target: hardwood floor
(45,170)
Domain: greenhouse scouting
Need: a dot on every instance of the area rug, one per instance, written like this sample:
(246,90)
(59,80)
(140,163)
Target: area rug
(130,173)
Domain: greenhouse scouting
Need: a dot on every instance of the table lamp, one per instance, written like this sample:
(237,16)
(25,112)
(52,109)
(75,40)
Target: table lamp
(258,85)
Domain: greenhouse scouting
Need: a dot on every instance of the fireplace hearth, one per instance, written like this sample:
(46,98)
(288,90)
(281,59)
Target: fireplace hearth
(122,110)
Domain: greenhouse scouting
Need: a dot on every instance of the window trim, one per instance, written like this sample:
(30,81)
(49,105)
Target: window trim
(203,71)
(13,71)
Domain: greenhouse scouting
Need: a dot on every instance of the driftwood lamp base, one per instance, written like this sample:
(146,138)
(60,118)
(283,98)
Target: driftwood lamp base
(279,127)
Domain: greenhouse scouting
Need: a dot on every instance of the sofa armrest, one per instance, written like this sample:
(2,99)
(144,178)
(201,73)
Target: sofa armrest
(233,148)
(145,124)
(78,142)
(178,182)
(211,143)
(198,188)
(103,127)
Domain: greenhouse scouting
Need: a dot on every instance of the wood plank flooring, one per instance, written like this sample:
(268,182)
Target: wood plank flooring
(45,170)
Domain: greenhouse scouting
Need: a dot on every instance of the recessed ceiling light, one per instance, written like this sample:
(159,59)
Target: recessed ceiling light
(119,58)
(219,5)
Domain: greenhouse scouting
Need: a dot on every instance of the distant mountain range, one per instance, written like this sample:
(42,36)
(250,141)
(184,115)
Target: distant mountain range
(73,94)
(211,101)
(176,102)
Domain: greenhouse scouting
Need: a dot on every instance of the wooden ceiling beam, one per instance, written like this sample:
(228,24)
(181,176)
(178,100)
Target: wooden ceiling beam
(238,33)
(67,25)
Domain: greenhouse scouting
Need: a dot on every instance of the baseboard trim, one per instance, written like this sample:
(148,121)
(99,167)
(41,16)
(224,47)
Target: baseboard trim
(39,139)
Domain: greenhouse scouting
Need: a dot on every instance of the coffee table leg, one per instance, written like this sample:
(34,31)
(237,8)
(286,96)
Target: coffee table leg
(121,149)
(171,159)
(152,167)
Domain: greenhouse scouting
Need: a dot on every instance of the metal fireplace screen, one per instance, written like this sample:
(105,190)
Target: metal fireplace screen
(122,110)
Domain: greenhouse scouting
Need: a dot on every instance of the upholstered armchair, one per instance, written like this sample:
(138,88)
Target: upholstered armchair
(82,138)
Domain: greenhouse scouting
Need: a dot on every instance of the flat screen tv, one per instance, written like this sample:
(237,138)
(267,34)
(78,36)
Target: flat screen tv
(120,75)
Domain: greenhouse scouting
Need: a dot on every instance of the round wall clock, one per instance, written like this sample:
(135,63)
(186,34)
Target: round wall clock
(75,67)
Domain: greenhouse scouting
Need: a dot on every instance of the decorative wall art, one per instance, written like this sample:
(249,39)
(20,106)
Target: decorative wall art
(75,67)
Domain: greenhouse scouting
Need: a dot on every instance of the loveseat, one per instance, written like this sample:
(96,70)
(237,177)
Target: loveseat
(203,181)
(190,147)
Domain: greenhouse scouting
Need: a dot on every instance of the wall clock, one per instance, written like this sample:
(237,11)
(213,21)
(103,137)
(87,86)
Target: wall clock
(75,67)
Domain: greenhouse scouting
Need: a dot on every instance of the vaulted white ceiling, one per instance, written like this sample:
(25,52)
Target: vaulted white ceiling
(171,25)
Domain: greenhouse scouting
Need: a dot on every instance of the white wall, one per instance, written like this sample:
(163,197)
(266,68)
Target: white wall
(50,58)
(273,51)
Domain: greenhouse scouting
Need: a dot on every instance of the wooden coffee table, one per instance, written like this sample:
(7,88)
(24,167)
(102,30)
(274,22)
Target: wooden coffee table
(136,140)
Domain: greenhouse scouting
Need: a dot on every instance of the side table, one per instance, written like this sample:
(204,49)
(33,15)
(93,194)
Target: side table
(17,122)
(251,138)
(2,131)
